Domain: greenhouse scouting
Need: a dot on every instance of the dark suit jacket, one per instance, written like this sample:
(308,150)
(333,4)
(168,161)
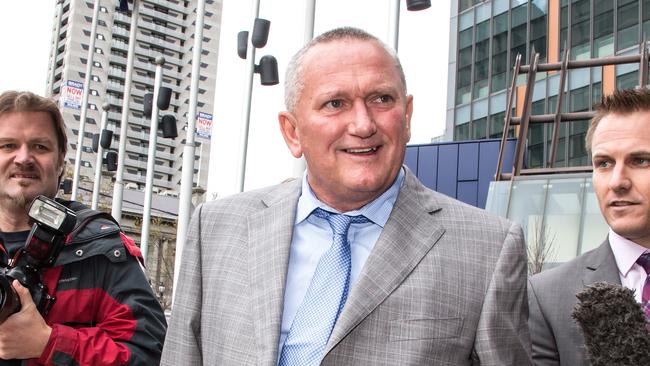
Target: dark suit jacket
(556,337)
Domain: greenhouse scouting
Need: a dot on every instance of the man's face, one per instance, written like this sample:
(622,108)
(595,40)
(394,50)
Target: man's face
(351,122)
(621,177)
(30,161)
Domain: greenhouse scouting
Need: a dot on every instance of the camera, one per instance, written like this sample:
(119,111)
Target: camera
(52,223)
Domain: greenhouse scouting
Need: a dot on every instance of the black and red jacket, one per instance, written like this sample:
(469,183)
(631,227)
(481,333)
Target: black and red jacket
(105,312)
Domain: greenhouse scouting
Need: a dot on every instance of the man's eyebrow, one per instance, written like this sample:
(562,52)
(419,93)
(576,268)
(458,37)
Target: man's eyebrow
(638,153)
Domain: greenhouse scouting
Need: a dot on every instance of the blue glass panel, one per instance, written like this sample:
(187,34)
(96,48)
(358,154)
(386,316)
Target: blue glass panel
(448,169)
(411,158)
(467,192)
(488,156)
(428,165)
(468,161)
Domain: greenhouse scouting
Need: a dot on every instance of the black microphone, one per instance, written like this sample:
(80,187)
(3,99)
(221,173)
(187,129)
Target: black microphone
(613,325)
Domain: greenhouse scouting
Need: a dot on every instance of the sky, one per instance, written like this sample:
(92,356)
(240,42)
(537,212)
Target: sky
(25,44)
(423,51)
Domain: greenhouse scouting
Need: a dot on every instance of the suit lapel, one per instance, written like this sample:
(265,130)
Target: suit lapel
(409,234)
(601,266)
(270,231)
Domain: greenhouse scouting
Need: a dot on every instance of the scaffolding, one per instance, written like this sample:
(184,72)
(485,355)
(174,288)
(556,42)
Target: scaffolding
(525,119)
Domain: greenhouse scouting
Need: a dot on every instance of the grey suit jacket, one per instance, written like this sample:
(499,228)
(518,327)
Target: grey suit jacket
(445,284)
(557,339)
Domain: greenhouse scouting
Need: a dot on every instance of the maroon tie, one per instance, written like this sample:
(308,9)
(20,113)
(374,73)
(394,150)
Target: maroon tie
(644,261)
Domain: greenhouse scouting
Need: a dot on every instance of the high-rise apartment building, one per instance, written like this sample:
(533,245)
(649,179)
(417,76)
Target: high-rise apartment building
(488,35)
(164,28)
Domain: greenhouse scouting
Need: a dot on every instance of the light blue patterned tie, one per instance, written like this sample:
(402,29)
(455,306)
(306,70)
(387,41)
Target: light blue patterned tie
(325,297)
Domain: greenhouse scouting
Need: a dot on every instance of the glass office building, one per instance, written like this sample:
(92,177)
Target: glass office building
(490,35)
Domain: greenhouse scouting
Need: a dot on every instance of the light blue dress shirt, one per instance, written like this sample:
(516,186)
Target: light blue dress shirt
(312,236)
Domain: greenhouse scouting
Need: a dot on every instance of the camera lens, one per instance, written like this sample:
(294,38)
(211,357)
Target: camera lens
(9,300)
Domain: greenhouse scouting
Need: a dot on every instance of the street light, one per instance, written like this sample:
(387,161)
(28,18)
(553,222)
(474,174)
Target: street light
(187,175)
(103,142)
(411,5)
(84,101)
(118,186)
(415,5)
(268,70)
(151,156)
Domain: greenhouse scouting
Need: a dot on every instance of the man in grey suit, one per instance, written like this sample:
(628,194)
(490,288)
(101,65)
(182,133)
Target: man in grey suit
(268,278)
(619,140)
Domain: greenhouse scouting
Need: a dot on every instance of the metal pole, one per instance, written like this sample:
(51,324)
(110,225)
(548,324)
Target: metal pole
(299,165)
(246,114)
(100,157)
(151,160)
(187,175)
(393,32)
(118,186)
(84,101)
(55,47)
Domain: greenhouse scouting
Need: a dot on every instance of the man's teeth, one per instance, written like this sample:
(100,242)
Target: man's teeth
(360,151)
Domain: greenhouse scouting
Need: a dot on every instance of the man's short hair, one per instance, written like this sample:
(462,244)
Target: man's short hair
(14,101)
(294,82)
(621,102)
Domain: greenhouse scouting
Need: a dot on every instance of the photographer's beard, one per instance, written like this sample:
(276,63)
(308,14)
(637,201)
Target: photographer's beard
(19,196)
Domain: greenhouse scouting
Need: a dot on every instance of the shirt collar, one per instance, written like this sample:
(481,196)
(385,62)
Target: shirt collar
(626,252)
(377,211)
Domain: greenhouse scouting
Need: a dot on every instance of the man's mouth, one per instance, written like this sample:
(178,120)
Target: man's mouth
(367,150)
(24,176)
(622,203)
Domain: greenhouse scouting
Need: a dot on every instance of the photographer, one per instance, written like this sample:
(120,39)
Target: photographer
(105,312)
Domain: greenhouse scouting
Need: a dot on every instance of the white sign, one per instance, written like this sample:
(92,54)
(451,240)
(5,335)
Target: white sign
(71,94)
(204,125)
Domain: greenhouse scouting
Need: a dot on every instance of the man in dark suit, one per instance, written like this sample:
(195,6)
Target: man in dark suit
(619,141)
(418,279)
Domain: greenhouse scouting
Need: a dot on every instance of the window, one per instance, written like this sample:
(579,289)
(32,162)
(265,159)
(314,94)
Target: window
(464,66)
(536,138)
(538,28)
(479,129)
(481,59)
(645,16)
(461,132)
(603,28)
(580,29)
(519,33)
(627,23)
(499,52)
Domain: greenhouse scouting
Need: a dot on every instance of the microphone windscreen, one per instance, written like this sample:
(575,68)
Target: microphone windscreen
(613,325)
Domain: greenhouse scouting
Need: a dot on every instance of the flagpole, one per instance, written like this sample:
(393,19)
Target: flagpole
(84,102)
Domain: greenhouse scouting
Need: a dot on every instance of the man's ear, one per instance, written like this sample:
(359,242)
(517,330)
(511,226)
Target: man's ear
(289,129)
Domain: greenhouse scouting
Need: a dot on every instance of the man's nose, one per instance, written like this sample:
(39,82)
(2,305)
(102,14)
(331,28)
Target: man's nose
(363,124)
(24,156)
(619,179)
